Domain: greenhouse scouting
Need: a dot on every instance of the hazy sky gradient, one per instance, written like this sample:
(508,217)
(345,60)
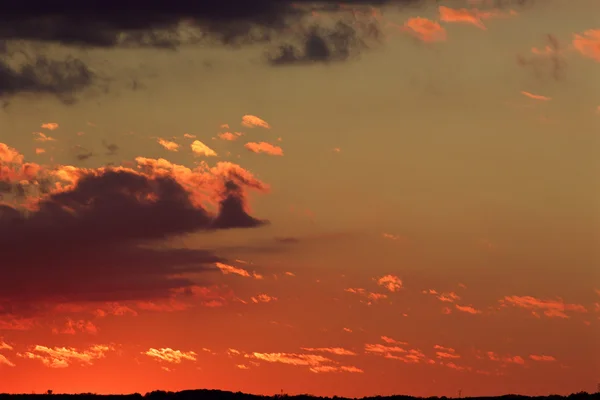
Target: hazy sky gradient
(420,161)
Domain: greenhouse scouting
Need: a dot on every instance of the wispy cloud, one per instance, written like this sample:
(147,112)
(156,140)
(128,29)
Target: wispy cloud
(62,357)
(169,355)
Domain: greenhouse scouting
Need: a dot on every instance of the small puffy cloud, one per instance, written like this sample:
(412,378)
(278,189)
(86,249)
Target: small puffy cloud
(62,357)
(229,136)
(167,144)
(264,147)
(252,121)
(189,136)
(39,151)
(50,126)
(390,282)
(588,43)
(169,355)
(201,149)
(425,29)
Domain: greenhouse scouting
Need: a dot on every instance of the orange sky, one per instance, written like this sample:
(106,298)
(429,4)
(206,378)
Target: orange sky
(419,219)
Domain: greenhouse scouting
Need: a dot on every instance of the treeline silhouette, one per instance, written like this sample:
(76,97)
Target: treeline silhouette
(205,394)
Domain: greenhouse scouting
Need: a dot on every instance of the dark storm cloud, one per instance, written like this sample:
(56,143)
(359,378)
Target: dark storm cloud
(96,241)
(61,78)
(158,24)
(106,24)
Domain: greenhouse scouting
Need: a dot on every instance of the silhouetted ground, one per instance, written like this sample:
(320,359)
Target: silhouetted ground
(221,395)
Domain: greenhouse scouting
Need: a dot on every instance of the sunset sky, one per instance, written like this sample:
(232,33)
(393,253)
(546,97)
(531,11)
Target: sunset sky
(349,198)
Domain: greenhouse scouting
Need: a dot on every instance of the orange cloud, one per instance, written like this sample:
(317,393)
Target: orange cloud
(5,346)
(62,357)
(389,340)
(50,126)
(169,355)
(71,327)
(167,144)
(252,121)
(541,358)
(263,298)
(369,295)
(316,363)
(588,43)
(5,361)
(189,136)
(472,16)
(229,136)
(114,309)
(39,151)
(550,308)
(390,282)
(264,147)
(425,29)
(230,269)
(41,137)
(339,351)
(201,149)
(445,352)
(535,96)
(467,309)
(383,349)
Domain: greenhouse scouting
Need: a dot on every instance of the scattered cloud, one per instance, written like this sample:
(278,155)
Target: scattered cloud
(588,44)
(390,282)
(263,298)
(470,16)
(62,357)
(550,308)
(41,137)
(201,149)
(50,126)
(252,121)
(542,358)
(169,355)
(339,351)
(425,29)
(229,136)
(167,144)
(230,269)
(467,309)
(72,327)
(264,147)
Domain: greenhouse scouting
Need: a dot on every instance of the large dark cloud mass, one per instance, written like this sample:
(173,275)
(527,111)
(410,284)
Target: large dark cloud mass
(90,235)
(158,24)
